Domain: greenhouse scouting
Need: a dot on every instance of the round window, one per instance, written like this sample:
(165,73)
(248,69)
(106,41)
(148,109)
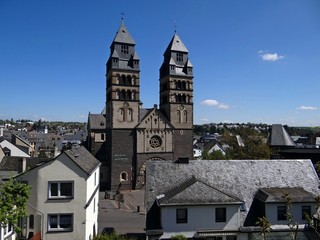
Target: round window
(155,141)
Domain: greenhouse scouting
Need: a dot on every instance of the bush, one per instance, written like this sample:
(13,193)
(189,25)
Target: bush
(178,237)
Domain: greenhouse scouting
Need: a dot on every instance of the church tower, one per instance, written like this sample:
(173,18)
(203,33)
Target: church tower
(176,95)
(122,107)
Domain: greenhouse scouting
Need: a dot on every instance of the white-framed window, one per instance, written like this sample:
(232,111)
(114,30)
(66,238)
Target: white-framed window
(60,190)
(60,222)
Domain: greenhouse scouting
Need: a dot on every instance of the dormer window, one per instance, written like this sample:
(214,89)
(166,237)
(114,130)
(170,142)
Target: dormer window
(124,49)
(179,57)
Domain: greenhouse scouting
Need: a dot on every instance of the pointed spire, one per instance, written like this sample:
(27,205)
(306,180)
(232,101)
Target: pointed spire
(123,35)
(176,44)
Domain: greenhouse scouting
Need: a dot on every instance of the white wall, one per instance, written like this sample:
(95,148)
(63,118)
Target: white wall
(271,213)
(62,169)
(200,217)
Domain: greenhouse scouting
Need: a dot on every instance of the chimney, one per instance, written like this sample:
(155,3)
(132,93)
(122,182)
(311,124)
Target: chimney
(1,132)
(24,164)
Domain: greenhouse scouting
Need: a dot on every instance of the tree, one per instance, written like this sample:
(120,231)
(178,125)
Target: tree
(112,236)
(13,199)
(178,237)
(214,155)
(265,227)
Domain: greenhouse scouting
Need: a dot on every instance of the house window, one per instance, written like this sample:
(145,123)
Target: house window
(102,136)
(221,214)
(60,222)
(306,212)
(31,221)
(182,215)
(281,212)
(231,238)
(60,189)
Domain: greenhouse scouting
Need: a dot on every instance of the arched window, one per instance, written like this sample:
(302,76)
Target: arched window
(123,80)
(130,116)
(123,176)
(133,81)
(178,116)
(123,95)
(128,80)
(184,85)
(117,79)
(133,95)
(128,95)
(184,116)
(122,115)
(117,94)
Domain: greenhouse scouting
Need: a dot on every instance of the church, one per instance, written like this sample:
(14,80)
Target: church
(126,135)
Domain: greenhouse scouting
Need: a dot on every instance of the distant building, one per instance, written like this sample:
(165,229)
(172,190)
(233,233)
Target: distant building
(283,147)
(132,134)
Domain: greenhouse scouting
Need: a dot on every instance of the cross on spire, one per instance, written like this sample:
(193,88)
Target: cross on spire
(122,16)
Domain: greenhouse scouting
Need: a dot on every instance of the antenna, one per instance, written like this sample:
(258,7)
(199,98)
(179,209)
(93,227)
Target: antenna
(175,26)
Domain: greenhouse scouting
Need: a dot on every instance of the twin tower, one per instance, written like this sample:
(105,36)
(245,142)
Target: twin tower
(126,135)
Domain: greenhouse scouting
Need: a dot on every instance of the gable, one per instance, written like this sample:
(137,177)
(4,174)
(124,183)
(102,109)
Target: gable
(154,120)
(196,192)
(15,152)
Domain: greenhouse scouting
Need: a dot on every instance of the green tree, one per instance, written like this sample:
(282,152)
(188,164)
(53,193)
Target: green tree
(178,237)
(255,144)
(13,199)
(215,155)
(112,236)
(265,226)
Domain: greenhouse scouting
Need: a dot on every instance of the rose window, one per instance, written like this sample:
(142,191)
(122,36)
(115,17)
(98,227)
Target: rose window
(155,141)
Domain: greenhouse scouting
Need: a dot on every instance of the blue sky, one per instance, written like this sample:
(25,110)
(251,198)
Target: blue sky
(254,60)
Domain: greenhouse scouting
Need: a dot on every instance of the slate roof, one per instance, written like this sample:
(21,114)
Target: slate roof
(270,195)
(97,121)
(239,178)
(176,44)
(280,137)
(123,35)
(195,192)
(9,163)
(83,158)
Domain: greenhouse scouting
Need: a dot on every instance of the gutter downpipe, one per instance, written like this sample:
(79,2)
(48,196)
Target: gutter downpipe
(42,219)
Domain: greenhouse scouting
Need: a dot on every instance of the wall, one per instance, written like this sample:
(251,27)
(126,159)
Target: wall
(200,217)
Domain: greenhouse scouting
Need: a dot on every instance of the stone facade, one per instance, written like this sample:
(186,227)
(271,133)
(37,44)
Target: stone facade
(135,134)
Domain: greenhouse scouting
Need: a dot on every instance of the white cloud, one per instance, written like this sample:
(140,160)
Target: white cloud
(271,57)
(307,108)
(204,119)
(214,103)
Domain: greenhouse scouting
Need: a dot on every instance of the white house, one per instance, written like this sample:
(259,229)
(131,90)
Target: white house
(11,150)
(223,199)
(64,197)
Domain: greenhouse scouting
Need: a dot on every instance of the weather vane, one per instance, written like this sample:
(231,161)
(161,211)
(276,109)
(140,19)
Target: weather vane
(175,26)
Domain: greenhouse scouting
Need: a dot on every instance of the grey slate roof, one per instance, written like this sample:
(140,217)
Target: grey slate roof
(239,178)
(176,44)
(123,35)
(97,121)
(83,158)
(277,195)
(280,137)
(195,192)
(9,163)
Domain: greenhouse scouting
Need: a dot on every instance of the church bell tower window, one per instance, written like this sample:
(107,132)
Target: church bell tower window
(124,49)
